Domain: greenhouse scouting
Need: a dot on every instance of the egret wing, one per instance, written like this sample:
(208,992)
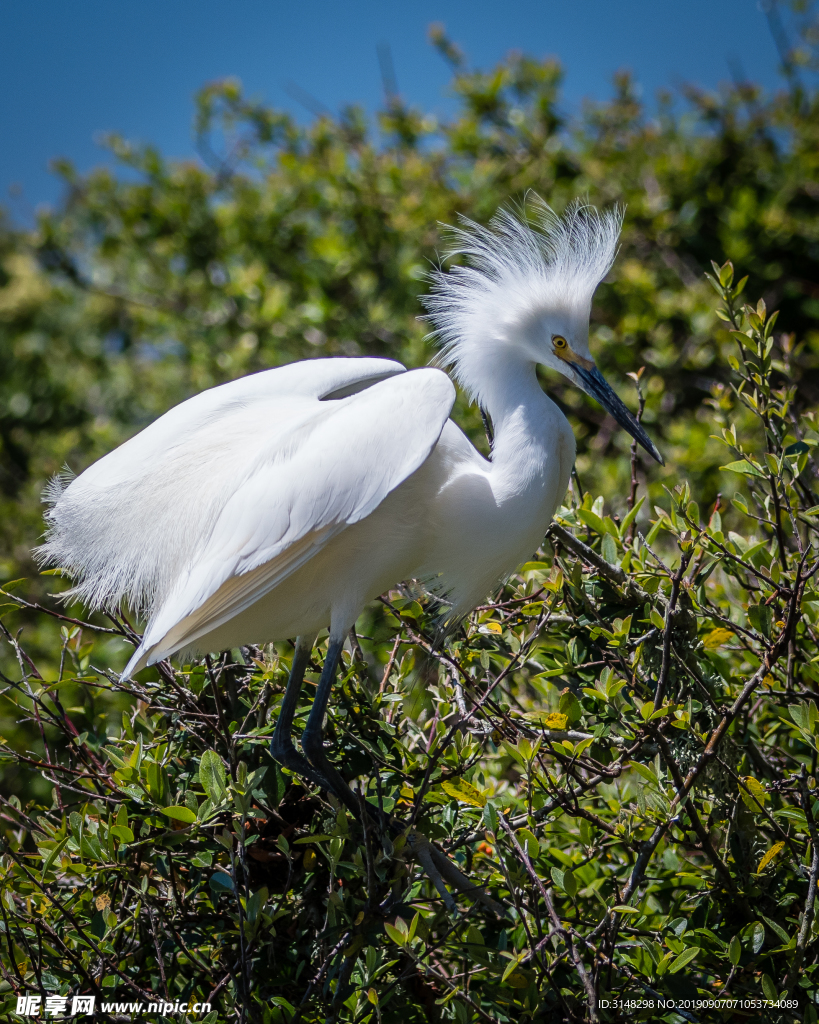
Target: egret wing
(132,522)
(328,472)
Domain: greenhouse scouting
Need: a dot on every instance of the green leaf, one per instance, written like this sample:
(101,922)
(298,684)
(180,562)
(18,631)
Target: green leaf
(761,618)
(777,928)
(212,775)
(135,760)
(644,770)
(529,841)
(114,757)
(513,965)
(757,553)
(179,813)
(804,715)
(256,903)
(570,706)
(12,584)
(276,784)
(656,619)
(769,988)
(592,520)
(123,833)
(683,959)
(792,814)
(608,549)
(275,1000)
(220,882)
(745,468)
(398,936)
(463,791)
(629,518)
(754,794)
(536,567)
(158,784)
(52,856)
(797,448)
(734,950)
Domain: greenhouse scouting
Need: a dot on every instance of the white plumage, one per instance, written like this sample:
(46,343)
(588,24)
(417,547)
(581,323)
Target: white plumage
(281,503)
(518,284)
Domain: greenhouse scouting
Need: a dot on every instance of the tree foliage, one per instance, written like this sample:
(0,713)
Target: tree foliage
(621,746)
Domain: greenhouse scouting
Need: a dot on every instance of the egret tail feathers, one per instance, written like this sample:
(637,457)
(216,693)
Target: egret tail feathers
(168,633)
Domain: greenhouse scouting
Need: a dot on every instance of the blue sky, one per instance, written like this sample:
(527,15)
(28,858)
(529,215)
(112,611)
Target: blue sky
(73,70)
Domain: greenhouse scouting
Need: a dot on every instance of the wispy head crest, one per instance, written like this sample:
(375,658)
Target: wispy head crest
(517,266)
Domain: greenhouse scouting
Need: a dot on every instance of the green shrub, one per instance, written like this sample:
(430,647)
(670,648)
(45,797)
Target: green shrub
(621,747)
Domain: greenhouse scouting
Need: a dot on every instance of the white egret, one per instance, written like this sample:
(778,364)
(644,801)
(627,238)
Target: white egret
(279,504)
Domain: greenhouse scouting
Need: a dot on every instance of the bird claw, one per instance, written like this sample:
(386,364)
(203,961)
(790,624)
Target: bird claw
(288,757)
(439,868)
(421,848)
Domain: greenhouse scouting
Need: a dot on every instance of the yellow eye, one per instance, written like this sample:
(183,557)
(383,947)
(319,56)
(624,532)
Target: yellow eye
(559,342)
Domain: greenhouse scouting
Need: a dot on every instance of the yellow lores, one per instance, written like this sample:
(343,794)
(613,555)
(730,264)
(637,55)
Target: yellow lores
(563,351)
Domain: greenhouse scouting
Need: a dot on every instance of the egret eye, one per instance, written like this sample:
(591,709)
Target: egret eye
(559,343)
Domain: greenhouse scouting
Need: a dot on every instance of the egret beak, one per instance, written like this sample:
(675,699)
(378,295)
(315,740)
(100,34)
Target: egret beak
(594,383)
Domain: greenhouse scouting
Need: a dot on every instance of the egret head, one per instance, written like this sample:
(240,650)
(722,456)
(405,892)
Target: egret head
(525,295)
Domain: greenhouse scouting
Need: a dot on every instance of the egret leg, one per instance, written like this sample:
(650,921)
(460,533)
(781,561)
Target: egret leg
(313,744)
(311,741)
(281,746)
(434,861)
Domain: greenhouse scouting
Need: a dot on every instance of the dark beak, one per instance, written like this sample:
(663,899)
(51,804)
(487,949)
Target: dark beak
(594,383)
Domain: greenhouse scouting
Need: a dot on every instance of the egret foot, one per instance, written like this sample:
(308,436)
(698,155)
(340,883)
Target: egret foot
(315,766)
(288,757)
(440,868)
(437,866)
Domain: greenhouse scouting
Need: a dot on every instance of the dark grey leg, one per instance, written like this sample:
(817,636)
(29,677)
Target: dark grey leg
(434,861)
(281,746)
(311,741)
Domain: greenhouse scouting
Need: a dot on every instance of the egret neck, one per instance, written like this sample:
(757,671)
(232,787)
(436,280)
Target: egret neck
(529,428)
